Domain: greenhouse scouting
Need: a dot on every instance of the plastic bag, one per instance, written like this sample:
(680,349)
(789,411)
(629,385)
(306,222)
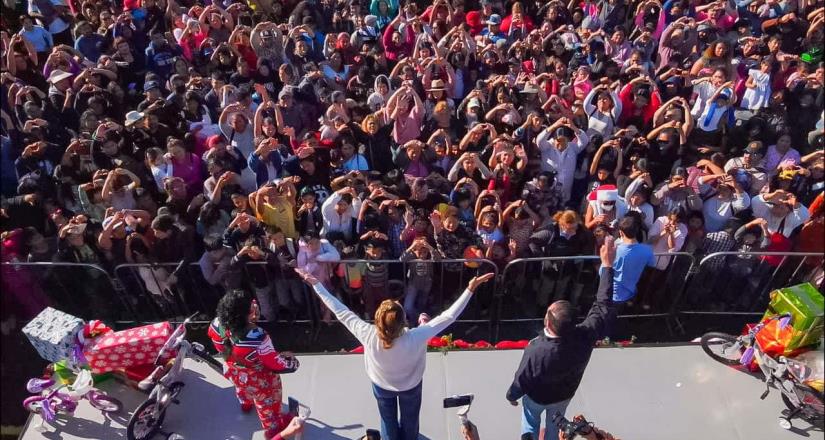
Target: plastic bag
(815,361)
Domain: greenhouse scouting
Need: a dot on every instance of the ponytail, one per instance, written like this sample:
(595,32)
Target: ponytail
(389,321)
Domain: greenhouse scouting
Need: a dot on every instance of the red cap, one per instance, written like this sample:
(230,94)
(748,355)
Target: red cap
(215,139)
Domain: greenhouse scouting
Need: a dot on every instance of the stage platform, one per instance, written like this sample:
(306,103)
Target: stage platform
(637,393)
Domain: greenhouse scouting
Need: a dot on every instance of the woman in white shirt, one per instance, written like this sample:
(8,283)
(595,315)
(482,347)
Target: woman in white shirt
(394,355)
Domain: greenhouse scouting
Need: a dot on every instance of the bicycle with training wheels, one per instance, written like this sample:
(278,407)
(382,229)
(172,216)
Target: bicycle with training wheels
(165,385)
(53,398)
(787,375)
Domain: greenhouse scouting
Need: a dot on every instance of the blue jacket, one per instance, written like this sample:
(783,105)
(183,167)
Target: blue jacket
(259,166)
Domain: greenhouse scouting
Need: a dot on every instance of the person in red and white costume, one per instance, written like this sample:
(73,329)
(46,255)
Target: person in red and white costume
(252,363)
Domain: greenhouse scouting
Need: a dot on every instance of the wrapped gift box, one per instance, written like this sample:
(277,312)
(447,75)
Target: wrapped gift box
(805,304)
(127,348)
(53,334)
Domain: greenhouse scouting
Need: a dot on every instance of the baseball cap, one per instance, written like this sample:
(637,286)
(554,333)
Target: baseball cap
(58,75)
(494,19)
(133,117)
(564,131)
(149,85)
(754,147)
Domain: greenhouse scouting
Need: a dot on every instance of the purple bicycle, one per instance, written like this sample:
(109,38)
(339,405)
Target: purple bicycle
(53,398)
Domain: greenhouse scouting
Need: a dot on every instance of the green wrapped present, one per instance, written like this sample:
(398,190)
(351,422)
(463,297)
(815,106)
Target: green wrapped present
(805,304)
(66,375)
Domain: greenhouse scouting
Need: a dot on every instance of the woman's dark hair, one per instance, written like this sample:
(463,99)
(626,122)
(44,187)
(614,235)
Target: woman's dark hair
(233,312)
(163,223)
(212,243)
(210,214)
(193,96)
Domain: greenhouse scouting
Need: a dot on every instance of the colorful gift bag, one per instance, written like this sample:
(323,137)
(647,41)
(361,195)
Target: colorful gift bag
(774,340)
(53,334)
(805,305)
(127,348)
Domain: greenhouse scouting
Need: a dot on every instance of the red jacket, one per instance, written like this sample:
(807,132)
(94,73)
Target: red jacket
(255,350)
(629,110)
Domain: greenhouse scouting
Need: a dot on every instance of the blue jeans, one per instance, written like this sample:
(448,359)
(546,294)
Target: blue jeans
(388,404)
(531,417)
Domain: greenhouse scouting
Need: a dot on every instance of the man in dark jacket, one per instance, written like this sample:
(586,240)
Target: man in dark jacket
(554,362)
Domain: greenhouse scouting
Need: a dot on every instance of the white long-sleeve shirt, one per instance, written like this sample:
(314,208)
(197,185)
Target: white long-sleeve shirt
(339,222)
(599,122)
(562,162)
(401,367)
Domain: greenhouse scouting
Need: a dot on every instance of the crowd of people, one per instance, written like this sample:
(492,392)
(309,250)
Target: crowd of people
(258,137)
(305,134)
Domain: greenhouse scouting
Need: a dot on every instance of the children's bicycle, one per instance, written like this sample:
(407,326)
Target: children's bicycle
(53,398)
(787,375)
(165,384)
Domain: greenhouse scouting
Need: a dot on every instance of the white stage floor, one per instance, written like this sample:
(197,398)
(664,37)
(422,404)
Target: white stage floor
(638,393)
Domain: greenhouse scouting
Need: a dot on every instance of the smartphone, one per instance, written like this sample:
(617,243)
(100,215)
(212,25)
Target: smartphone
(456,401)
(301,411)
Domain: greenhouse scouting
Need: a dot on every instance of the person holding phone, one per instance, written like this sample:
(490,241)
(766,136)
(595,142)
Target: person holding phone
(395,355)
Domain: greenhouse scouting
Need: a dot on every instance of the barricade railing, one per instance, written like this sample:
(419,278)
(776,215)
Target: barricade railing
(84,290)
(282,296)
(529,285)
(739,283)
(168,291)
(723,283)
(420,285)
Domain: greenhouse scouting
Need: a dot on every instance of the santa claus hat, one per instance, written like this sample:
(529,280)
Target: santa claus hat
(604,193)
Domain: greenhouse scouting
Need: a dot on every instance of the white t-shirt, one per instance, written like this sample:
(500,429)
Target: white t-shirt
(703,91)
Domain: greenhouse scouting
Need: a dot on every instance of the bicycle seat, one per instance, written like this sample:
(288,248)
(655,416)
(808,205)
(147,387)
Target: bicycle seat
(82,384)
(37,385)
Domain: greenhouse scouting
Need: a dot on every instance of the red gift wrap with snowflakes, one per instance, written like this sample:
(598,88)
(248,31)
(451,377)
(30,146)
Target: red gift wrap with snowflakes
(115,351)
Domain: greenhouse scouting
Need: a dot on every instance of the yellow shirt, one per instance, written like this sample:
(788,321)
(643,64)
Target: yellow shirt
(279,214)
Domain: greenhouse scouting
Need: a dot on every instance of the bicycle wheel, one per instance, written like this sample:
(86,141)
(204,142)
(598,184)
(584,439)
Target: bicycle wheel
(202,355)
(143,424)
(812,409)
(104,402)
(719,346)
(32,404)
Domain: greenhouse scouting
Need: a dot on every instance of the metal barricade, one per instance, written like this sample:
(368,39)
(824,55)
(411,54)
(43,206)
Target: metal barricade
(361,284)
(529,285)
(83,290)
(739,283)
(168,292)
(421,285)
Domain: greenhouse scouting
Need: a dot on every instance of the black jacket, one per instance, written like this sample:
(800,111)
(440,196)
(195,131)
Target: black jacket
(552,368)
